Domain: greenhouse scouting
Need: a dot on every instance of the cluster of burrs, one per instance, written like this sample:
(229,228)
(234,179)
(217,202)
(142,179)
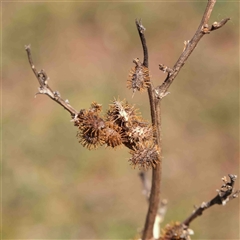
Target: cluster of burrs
(121,125)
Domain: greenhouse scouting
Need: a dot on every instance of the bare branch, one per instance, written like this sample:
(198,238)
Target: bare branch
(145,183)
(189,47)
(44,87)
(155,95)
(141,30)
(225,194)
(151,95)
(217,25)
(165,69)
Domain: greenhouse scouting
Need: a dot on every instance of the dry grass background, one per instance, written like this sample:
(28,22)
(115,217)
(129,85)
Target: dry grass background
(53,188)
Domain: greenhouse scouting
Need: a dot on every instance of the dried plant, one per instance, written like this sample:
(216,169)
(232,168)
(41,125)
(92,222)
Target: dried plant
(138,79)
(176,231)
(124,125)
(145,156)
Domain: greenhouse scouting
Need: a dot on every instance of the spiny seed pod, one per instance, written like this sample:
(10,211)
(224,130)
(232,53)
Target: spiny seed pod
(90,141)
(121,112)
(176,231)
(145,156)
(82,116)
(137,120)
(136,136)
(138,79)
(96,107)
(85,115)
(139,135)
(113,135)
(91,127)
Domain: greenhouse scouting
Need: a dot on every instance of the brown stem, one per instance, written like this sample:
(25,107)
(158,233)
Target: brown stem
(141,30)
(155,96)
(224,195)
(44,87)
(203,29)
(154,198)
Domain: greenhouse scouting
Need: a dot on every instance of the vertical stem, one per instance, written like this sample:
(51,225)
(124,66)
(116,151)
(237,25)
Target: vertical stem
(156,178)
(154,198)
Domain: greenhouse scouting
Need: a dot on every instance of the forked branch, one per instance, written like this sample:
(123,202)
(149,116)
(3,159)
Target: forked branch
(225,194)
(155,96)
(203,29)
(177,230)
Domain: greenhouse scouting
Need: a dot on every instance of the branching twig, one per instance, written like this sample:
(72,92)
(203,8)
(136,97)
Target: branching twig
(155,95)
(225,194)
(44,87)
(217,25)
(165,69)
(145,184)
(203,29)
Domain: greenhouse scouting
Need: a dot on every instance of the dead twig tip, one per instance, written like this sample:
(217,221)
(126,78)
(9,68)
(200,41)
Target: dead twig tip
(27,47)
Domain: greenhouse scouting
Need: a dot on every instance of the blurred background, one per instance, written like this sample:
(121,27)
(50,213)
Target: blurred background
(53,188)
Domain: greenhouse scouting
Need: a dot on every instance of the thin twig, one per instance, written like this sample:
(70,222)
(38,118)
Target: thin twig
(203,29)
(151,95)
(146,185)
(165,69)
(44,87)
(217,25)
(141,30)
(154,198)
(225,194)
(155,95)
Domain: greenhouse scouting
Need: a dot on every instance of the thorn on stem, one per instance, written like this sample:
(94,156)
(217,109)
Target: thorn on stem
(27,47)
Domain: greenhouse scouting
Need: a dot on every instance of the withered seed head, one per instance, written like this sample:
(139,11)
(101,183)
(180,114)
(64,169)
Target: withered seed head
(113,135)
(91,127)
(90,141)
(91,120)
(122,125)
(138,79)
(96,107)
(140,134)
(176,231)
(145,156)
(120,112)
